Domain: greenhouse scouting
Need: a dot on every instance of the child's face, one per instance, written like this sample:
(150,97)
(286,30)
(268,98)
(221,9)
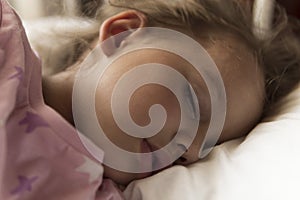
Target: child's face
(244,84)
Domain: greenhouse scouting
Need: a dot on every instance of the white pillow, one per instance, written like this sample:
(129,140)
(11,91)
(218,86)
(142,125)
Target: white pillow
(264,165)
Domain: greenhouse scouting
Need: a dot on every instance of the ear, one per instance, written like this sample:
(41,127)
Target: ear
(124,21)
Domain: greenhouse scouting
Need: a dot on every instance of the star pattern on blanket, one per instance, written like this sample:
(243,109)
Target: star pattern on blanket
(91,168)
(25,184)
(33,121)
(18,75)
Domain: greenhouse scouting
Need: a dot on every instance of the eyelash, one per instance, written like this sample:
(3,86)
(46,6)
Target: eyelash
(192,99)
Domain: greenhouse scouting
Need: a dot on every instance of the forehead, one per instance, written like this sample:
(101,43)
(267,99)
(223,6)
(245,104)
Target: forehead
(237,63)
(243,79)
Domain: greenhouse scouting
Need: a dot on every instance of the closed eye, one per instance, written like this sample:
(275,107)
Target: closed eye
(192,102)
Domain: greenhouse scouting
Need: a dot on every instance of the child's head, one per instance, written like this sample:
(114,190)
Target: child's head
(255,72)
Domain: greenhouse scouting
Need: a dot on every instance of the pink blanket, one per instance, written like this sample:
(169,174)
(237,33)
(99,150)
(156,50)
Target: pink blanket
(41,155)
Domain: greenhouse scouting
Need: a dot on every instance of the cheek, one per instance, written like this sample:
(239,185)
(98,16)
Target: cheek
(147,96)
(139,105)
(109,125)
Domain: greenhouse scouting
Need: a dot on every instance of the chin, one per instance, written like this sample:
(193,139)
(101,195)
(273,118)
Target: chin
(123,178)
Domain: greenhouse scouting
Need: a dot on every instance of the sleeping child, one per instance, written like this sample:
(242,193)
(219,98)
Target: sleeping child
(42,154)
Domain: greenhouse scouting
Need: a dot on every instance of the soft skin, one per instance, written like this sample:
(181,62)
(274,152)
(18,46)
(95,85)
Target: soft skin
(243,80)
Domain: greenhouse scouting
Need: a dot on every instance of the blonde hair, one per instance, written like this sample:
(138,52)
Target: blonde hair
(278,54)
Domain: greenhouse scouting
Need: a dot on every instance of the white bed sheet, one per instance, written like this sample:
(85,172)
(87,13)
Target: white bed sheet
(263,166)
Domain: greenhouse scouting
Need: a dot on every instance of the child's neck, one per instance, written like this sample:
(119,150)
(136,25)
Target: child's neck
(57,92)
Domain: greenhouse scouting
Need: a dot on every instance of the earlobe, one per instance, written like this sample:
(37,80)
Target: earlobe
(124,21)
